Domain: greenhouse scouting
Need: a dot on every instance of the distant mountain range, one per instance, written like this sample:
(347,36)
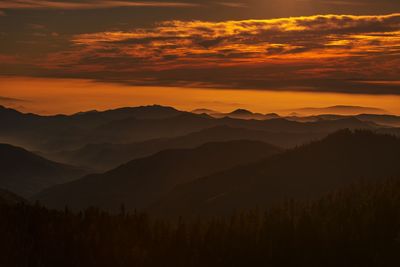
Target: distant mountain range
(131,125)
(25,173)
(339,110)
(237,114)
(384,120)
(141,182)
(65,131)
(300,112)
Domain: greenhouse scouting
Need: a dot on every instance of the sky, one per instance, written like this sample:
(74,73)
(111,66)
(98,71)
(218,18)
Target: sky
(265,55)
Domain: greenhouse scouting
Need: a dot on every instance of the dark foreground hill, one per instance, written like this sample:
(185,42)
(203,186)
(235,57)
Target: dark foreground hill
(358,226)
(141,182)
(304,173)
(25,173)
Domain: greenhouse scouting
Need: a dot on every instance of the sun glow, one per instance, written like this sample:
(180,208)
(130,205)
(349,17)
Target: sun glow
(51,96)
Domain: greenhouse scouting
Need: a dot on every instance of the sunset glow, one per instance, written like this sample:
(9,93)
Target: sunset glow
(52,96)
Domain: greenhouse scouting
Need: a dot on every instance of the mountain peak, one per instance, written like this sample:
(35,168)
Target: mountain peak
(241,111)
(204,111)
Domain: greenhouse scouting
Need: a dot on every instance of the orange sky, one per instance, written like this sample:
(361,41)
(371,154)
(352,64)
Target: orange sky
(50,96)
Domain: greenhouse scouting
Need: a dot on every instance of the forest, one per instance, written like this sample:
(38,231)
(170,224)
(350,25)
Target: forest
(355,226)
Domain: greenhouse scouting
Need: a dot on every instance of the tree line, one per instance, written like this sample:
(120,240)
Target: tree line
(357,226)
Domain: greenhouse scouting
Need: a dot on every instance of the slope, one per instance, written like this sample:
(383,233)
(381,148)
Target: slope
(140,182)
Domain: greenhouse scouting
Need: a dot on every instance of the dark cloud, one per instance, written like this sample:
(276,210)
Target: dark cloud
(89,4)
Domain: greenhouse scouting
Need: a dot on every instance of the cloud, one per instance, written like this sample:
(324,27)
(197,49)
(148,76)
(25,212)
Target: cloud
(8,100)
(254,40)
(7,59)
(356,3)
(89,4)
(325,53)
(232,4)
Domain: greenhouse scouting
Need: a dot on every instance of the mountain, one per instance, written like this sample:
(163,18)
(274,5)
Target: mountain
(339,110)
(105,156)
(132,125)
(25,173)
(378,119)
(137,130)
(134,130)
(204,111)
(245,114)
(66,131)
(9,198)
(140,182)
(240,112)
(303,173)
(386,120)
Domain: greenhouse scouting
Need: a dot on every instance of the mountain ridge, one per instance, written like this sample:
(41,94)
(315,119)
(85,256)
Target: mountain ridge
(25,173)
(303,173)
(140,182)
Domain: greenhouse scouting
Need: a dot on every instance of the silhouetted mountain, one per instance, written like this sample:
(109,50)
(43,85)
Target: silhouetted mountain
(141,182)
(241,111)
(25,173)
(248,115)
(142,112)
(339,110)
(384,120)
(303,173)
(204,111)
(106,156)
(314,118)
(245,115)
(9,198)
(134,130)
(65,131)
(129,125)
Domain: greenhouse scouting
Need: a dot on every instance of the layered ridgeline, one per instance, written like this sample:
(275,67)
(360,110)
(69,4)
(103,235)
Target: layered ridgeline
(128,125)
(139,183)
(66,131)
(105,156)
(340,110)
(176,182)
(25,173)
(389,121)
(237,114)
(303,173)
